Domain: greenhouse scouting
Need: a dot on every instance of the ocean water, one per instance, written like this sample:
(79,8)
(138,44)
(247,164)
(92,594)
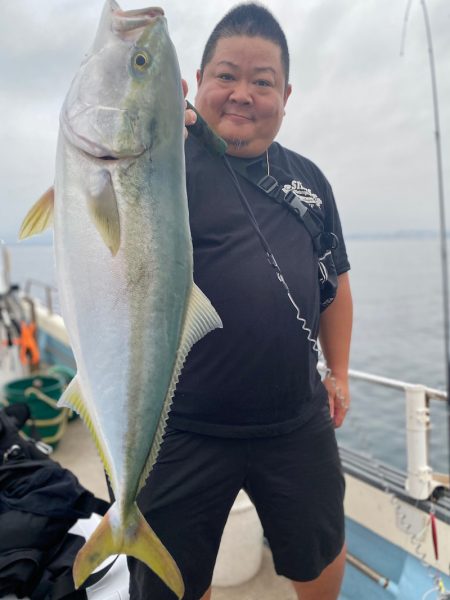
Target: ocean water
(397,333)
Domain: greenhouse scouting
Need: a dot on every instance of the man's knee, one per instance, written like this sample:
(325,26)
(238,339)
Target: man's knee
(206,595)
(327,585)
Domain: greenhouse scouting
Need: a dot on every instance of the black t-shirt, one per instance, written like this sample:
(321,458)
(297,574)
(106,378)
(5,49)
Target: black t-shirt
(257,376)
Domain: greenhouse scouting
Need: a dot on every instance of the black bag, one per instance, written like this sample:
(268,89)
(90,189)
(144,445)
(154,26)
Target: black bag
(39,502)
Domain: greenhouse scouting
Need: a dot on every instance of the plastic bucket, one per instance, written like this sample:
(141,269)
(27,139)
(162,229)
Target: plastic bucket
(41,393)
(241,548)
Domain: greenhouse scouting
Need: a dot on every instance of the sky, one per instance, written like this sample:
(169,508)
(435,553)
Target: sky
(359,110)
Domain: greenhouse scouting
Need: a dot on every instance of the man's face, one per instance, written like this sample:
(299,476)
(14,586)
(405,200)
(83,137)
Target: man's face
(242,93)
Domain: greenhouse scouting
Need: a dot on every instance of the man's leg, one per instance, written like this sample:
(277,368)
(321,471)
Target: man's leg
(186,501)
(326,586)
(296,483)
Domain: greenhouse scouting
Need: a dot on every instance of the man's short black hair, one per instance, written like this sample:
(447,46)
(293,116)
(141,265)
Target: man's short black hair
(253,20)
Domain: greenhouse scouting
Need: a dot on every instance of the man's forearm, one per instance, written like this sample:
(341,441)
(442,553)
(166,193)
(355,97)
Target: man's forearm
(335,334)
(336,329)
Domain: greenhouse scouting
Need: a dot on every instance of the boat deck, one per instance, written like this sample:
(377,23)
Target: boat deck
(77,452)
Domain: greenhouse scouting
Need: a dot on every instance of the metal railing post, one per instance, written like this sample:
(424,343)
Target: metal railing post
(419,483)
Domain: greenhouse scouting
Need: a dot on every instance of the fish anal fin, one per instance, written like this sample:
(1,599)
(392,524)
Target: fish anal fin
(103,210)
(39,217)
(201,318)
(72,398)
(135,538)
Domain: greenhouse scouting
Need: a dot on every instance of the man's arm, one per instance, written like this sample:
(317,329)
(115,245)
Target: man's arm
(335,334)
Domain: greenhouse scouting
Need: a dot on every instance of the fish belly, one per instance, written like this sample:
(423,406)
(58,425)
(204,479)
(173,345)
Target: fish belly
(124,313)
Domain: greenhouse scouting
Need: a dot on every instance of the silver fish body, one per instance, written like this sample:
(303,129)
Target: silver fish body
(124,264)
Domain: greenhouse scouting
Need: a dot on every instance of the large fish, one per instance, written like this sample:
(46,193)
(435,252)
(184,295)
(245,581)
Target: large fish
(124,263)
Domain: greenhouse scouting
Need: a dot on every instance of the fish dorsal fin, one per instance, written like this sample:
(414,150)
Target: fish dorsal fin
(103,210)
(200,319)
(40,216)
(72,398)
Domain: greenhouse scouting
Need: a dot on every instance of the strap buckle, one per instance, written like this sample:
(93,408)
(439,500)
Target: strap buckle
(268,184)
(295,203)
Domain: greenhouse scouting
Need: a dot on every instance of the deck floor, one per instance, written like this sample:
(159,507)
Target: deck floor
(77,452)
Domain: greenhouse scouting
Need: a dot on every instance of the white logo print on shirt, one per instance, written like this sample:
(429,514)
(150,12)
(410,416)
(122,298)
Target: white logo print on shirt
(304,194)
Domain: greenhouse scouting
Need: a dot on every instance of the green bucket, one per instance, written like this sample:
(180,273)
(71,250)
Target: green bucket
(41,393)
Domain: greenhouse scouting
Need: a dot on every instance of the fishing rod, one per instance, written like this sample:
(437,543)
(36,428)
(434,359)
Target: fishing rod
(442,220)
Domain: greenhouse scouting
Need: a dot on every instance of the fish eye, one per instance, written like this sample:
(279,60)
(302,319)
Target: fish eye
(141,61)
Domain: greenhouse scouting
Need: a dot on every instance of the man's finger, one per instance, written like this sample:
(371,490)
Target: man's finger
(190,117)
(184,85)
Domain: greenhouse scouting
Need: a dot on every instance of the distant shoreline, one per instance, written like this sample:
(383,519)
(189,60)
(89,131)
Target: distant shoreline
(395,235)
(375,235)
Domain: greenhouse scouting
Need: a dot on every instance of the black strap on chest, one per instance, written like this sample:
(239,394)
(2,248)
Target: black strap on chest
(322,240)
(254,222)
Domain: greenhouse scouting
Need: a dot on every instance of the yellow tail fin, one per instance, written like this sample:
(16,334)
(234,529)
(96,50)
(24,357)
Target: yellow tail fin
(135,539)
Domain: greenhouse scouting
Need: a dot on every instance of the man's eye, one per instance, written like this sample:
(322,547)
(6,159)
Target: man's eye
(263,83)
(225,76)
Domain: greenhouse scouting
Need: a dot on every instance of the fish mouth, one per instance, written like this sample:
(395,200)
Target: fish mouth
(95,149)
(128,21)
(110,158)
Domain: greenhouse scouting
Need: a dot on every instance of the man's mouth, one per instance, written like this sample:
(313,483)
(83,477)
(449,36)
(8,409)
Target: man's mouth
(238,116)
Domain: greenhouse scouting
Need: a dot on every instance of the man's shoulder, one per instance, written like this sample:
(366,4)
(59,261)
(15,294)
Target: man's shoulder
(289,157)
(303,171)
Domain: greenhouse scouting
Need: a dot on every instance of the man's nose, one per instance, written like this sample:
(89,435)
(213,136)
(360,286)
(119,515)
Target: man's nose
(241,93)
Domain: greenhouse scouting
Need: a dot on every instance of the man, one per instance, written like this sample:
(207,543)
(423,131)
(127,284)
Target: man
(250,410)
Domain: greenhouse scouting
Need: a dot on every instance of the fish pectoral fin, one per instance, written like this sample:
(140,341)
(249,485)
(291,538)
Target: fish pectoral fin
(103,210)
(135,539)
(72,398)
(39,217)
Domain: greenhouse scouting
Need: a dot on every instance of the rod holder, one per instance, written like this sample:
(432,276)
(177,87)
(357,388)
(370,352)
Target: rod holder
(419,483)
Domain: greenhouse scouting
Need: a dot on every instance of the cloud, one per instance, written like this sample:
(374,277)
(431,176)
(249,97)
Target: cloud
(365,114)
(357,109)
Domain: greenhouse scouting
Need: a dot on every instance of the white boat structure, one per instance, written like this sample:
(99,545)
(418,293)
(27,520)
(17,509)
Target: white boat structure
(398,523)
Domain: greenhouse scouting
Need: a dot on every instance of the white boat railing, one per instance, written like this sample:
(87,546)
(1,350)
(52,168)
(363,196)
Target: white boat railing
(431,393)
(421,481)
(50,292)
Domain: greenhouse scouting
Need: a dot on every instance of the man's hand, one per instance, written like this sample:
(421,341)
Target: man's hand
(338,397)
(189,116)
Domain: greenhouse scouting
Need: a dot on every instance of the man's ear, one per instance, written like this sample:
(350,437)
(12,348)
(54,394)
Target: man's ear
(287,93)
(198,76)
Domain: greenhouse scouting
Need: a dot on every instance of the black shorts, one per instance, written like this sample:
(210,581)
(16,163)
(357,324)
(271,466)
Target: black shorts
(295,481)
